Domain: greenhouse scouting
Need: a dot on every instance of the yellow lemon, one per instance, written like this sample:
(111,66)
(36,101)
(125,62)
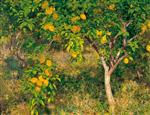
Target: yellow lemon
(126,60)
(99,33)
(49,63)
(38,89)
(103,39)
(34,80)
(45,5)
(83,16)
(42,59)
(46,82)
(148,48)
(49,10)
(55,16)
(39,83)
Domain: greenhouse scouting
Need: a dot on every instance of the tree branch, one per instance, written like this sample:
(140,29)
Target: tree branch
(131,39)
(104,64)
(93,44)
(116,64)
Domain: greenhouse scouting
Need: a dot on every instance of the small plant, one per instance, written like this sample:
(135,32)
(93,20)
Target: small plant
(41,84)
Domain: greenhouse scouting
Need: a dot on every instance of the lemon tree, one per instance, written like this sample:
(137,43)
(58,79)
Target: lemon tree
(114,28)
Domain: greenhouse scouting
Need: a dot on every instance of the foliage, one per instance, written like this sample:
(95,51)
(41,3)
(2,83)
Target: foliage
(40,81)
(114,28)
(73,21)
(133,98)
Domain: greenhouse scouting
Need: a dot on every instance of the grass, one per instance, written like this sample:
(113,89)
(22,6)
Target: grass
(81,90)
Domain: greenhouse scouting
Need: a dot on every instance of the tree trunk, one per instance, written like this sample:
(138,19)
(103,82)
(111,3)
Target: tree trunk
(109,94)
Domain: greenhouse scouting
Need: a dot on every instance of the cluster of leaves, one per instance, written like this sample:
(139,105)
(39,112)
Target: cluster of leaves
(41,83)
(75,20)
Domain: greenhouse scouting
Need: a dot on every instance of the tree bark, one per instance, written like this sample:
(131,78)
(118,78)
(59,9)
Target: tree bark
(109,94)
(108,90)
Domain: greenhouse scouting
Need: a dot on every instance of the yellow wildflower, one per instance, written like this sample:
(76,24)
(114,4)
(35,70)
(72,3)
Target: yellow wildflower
(99,33)
(42,59)
(49,27)
(108,33)
(148,48)
(34,80)
(143,28)
(49,63)
(45,5)
(148,24)
(103,39)
(41,78)
(38,89)
(76,29)
(55,16)
(57,38)
(39,83)
(49,10)
(74,19)
(74,54)
(46,82)
(111,7)
(48,73)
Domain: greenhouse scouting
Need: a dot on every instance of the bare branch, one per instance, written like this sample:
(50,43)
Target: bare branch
(131,39)
(127,24)
(116,64)
(93,44)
